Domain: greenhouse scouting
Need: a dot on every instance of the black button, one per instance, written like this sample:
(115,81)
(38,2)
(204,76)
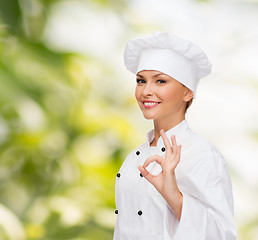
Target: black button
(118,175)
(163,149)
(141,174)
(140,213)
(138,152)
(116,212)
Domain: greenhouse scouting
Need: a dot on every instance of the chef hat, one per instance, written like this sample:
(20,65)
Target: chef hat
(169,54)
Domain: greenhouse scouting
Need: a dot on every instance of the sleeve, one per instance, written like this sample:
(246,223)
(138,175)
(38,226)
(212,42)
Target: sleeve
(207,211)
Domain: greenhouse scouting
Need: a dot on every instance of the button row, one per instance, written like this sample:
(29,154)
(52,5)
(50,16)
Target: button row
(163,149)
(119,175)
(139,212)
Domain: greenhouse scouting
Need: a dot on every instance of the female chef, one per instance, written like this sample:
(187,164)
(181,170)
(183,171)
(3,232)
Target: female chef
(176,185)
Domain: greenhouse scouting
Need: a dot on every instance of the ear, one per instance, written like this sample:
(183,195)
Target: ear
(188,94)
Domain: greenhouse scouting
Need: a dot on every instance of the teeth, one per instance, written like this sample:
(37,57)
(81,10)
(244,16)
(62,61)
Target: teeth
(150,103)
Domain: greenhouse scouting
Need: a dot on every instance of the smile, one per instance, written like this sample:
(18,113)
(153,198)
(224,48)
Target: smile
(150,104)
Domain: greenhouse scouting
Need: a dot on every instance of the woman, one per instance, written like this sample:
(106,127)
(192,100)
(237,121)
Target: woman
(176,185)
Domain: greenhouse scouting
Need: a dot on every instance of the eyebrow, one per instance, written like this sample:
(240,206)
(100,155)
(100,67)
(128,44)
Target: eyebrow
(139,75)
(157,75)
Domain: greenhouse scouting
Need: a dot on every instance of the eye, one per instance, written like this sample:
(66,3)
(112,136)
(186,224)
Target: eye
(140,80)
(161,81)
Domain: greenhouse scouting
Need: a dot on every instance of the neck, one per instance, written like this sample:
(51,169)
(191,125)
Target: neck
(164,124)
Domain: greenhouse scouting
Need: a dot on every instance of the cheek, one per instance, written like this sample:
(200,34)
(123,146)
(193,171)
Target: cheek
(171,94)
(137,93)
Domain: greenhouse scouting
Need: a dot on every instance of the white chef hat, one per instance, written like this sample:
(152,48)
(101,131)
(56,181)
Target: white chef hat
(169,54)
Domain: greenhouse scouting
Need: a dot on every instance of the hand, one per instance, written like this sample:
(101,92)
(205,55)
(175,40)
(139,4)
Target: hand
(165,182)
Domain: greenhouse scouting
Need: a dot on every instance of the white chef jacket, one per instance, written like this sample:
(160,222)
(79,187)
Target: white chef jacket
(203,179)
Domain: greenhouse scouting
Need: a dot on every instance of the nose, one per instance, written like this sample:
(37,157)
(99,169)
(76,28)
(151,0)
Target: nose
(148,89)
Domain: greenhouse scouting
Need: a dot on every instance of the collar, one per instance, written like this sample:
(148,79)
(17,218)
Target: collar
(177,130)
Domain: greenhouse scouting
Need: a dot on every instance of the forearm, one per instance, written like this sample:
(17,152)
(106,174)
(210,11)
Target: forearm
(175,201)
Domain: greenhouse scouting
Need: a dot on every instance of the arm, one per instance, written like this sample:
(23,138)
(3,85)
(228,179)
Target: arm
(200,204)
(207,211)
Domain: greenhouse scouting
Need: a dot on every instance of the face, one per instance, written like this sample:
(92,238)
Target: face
(160,96)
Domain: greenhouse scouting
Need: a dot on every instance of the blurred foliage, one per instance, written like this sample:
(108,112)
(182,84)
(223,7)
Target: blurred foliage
(61,143)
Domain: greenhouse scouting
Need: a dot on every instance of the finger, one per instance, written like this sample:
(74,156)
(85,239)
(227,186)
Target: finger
(171,164)
(179,149)
(174,144)
(155,158)
(166,142)
(178,155)
(146,174)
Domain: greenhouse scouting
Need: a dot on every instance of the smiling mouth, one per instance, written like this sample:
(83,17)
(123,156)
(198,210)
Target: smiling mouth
(150,104)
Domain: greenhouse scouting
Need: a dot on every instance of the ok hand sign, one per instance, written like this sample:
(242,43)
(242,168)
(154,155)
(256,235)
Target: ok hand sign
(165,182)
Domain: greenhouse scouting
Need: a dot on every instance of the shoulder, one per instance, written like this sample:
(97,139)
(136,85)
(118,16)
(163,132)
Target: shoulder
(200,154)
(198,145)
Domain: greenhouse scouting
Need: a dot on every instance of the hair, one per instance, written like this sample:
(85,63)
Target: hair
(188,104)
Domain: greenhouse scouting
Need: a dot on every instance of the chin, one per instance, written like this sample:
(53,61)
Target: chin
(148,117)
